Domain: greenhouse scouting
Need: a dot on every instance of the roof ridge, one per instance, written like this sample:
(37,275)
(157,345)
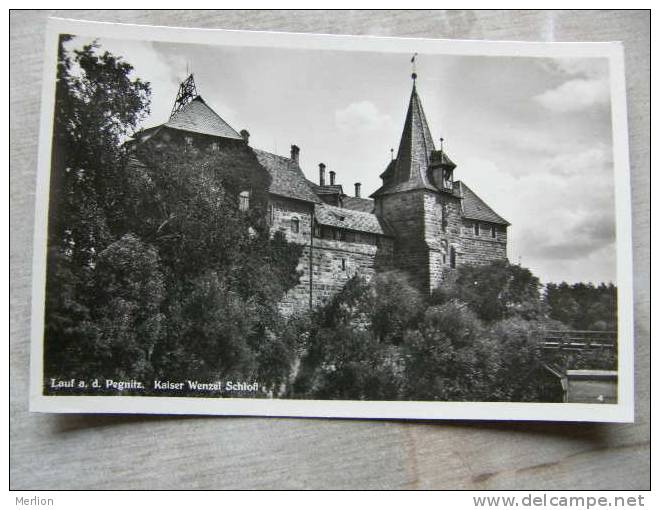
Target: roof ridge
(478,215)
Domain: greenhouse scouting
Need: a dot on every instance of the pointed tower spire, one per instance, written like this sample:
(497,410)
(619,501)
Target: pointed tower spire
(414,69)
(418,165)
(187,92)
(416,144)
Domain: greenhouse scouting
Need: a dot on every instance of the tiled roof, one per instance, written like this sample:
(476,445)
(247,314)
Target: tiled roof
(415,148)
(419,181)
(349,219)
(441,158)
(198,117)
(358,204)
(287,179)
(328,189)
(476,209)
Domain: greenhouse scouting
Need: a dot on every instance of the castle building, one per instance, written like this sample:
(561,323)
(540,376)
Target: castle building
(420,220)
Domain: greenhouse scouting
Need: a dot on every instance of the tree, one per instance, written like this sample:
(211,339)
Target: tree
(226,272)
(97,104)
(127,294)
(583,305)
(494,291)
(352,350)
(154,270)
(517,346)
(449,357)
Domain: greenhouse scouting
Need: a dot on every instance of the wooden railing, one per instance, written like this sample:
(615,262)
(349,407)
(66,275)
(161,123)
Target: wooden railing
(577,340)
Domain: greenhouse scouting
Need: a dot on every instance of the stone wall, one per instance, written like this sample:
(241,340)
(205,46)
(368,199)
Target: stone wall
(334,262)
(427,226)
(443,223)
(482,248)
(282,213)
(405,212)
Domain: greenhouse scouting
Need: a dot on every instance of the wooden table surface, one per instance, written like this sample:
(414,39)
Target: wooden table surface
(151,452)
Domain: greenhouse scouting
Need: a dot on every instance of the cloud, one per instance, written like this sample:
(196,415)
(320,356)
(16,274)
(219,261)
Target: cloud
(362,116)
(575,95)
(592,162)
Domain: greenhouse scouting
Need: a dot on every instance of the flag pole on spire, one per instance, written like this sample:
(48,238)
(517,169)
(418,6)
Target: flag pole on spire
(414,67)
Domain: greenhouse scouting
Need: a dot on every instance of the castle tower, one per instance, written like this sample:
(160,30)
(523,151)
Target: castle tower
(420,202)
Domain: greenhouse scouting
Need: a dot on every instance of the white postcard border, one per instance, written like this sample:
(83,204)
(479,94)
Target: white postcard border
(623,411)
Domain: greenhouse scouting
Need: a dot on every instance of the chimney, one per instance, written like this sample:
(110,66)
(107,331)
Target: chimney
(357,189)
(321,174)
(245,134)
(332,177)
(295,153)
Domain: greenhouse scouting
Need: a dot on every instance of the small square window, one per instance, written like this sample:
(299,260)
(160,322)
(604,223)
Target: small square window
(244,200)
(295,225)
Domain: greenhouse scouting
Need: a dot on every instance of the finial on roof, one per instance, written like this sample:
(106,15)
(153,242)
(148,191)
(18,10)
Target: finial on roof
(187,92)
(414,68)
(392,154)
(442,141)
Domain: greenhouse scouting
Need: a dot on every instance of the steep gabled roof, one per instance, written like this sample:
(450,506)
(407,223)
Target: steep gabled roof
(410,170)
(198,117)
(287,179)
(349,219)
(474,208)
(358,204)
(327,189)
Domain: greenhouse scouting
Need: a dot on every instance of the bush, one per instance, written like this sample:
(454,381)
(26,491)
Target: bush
(494,291)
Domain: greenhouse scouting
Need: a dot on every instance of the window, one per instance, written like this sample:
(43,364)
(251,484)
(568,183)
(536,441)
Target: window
(295,225)
(476,229)
(243,200)
(343,264)
(447,179)
(317,230)
(493,233)
(452,258)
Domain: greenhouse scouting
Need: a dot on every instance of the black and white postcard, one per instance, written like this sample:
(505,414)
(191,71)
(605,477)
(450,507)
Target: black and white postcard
(253,223)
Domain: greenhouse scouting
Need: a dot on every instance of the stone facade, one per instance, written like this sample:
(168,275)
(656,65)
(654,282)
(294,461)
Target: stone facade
(420,221)
(486,246)
(332,261)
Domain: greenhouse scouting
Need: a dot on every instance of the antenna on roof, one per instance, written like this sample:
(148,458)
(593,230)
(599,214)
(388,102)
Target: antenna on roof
(442,142)
(414,67)
(391,154)
(187,92)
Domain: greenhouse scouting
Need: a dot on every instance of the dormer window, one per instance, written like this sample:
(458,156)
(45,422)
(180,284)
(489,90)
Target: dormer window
(243,200)
(447,181)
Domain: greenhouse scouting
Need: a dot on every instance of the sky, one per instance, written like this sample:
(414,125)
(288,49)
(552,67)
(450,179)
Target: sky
(531,136)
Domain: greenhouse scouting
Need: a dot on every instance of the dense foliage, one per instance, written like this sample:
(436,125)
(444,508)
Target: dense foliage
(583,305)
(383,340)
(153,271)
